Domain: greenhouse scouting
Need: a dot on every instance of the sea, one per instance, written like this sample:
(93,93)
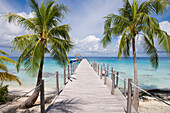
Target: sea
(149,78)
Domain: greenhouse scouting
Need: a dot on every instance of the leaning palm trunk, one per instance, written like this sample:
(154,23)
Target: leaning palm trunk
(32,99)
(135,101)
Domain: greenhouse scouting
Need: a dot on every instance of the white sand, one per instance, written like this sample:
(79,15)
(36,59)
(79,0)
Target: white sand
(153,106)
(13,108)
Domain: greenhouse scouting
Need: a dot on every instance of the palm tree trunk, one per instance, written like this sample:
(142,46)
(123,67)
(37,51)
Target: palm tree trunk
(135,101)
(32,99)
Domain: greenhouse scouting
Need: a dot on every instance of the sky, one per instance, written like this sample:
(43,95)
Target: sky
(86,18)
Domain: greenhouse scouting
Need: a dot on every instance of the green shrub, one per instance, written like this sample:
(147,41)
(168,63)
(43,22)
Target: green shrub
(3,92)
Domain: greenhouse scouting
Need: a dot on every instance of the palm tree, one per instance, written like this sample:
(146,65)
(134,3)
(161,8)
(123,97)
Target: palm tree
(135,21)
(4,75)
(47,36)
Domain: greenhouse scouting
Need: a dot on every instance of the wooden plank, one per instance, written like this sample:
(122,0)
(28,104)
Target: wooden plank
(85,93)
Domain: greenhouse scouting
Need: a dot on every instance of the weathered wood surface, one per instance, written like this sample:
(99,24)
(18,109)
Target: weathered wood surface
(85,93)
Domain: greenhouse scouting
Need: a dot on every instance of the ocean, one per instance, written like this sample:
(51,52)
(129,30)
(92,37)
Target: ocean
(149,78)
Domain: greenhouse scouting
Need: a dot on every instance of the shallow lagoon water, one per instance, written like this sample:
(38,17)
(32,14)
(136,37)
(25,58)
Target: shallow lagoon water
(149,78)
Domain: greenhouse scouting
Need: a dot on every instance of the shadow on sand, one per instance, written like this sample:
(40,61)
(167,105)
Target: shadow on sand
(65,106)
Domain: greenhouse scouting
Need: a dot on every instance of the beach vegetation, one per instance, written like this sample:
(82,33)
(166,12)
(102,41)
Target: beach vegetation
(4,74)
(47,36)
(3,92)
(136,20)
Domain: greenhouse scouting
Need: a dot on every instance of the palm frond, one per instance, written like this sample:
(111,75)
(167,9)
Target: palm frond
(35,8)
(57,12)
(106,39)
(144,19)
(7,60)
(60,31)
(24,56)
(3,53)
(163,39)
(151,50)
(21,42)
(114,25)
(33,62)
(153,6)
(3,67)
(4,76)
(59,48)
(126,10)
(124,44)
(26,23)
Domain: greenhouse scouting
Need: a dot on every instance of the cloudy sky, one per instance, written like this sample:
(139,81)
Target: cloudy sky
(86,18)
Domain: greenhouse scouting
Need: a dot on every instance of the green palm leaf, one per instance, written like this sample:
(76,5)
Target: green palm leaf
(4,76)
(151,50)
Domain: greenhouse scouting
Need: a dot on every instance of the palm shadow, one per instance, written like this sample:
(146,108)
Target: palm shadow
(65,106)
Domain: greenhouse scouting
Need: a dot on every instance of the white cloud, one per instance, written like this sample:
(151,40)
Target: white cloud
(91,46)
(165,25)
(8,31)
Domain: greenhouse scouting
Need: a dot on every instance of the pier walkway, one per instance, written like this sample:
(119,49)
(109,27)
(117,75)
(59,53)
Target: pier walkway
(85,93)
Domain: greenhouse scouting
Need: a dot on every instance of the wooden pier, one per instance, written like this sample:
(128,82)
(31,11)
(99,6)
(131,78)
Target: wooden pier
(86,93)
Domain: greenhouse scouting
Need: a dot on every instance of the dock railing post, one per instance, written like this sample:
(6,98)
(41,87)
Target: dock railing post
(113,82)
(117,79)
(93,65)
(42,100)
(103,65)
(125,87)
(129,100)
(107,69)
(96,67)
(105,76)
(98,70)
(74,66)
(64,75)
(68,72)
(71,69)
(57,83)
(101,74)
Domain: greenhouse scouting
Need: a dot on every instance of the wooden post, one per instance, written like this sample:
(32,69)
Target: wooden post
(68,73)
(64,75)
(117,78)
(93,65)
(113,82)
(74,67)
(98,70)
(129,100)
(125,87)
(105,76)
(107,69)
(103,65)
(57,83)
(96,67)
(42,101)
(71,69)
(101,73)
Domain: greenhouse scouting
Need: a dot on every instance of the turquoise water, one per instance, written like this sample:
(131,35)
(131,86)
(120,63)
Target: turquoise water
(148,77)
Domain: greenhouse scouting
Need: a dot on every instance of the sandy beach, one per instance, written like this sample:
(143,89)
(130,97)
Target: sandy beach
(153,106)
(13,108)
